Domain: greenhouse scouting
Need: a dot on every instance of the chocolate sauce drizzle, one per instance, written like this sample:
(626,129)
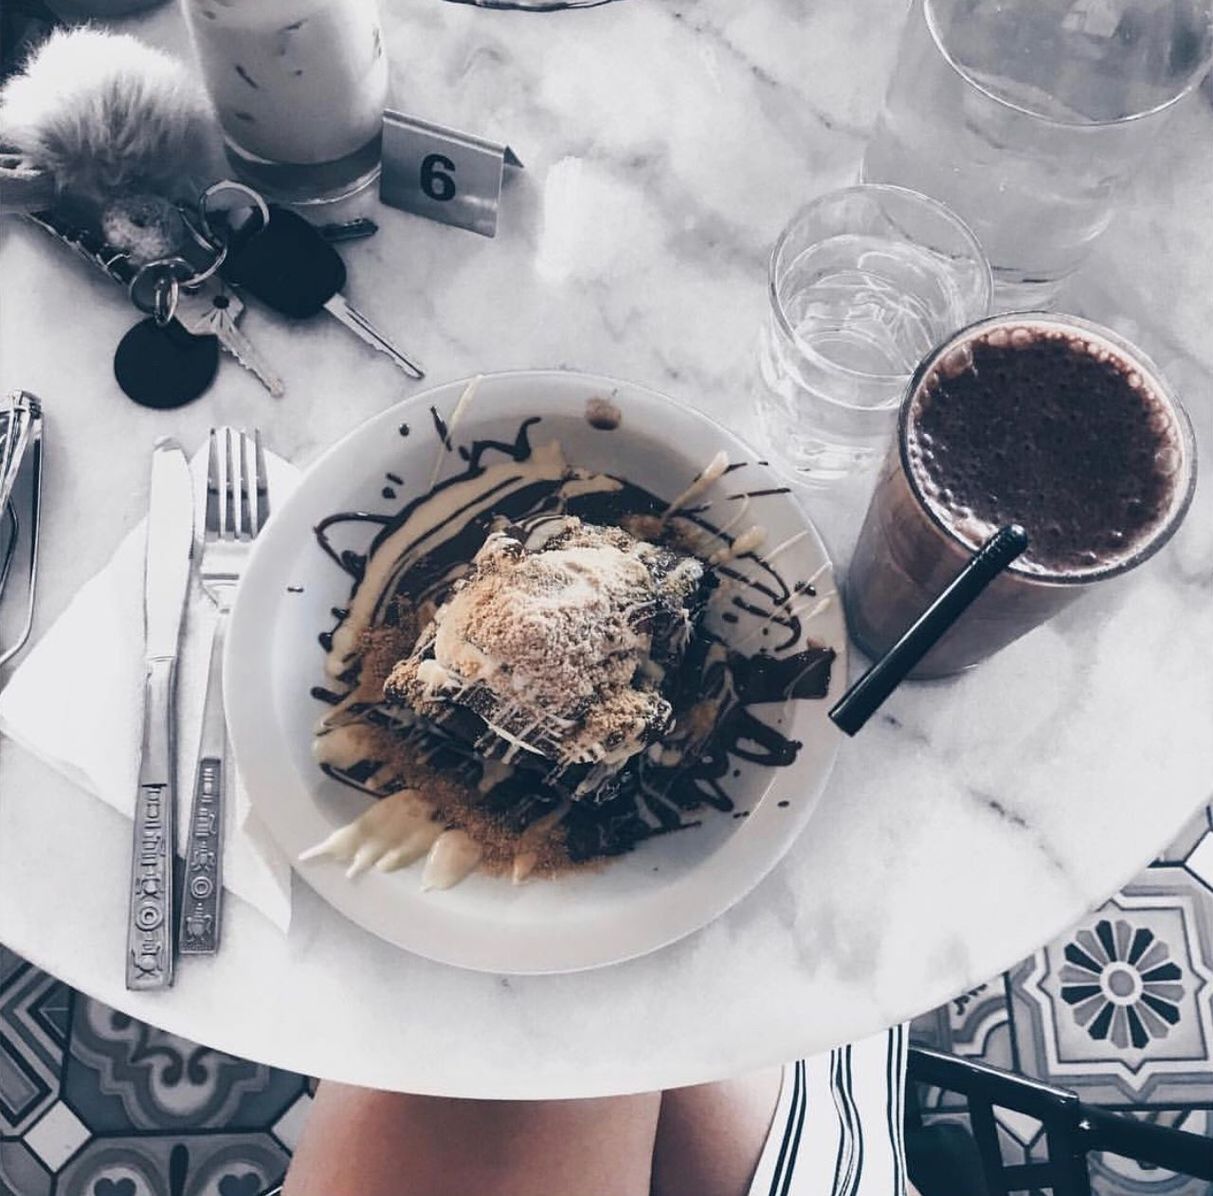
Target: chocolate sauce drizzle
(651,795)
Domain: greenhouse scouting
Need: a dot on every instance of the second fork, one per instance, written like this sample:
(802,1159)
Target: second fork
(236,508)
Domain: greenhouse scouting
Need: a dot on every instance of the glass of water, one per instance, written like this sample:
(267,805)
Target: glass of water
(863,282)
(1027,116)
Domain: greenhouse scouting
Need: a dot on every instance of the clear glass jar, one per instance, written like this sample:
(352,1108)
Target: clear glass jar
(101,8)
(862,282)
(299,88)
(1028,117)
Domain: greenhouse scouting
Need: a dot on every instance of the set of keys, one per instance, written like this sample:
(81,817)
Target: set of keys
(277,257)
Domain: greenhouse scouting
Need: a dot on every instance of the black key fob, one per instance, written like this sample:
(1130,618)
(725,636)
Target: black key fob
(287,264)
(162,365)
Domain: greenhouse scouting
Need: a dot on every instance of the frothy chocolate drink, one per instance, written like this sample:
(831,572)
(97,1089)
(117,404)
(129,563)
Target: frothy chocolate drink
(1040,420)
(1054,429)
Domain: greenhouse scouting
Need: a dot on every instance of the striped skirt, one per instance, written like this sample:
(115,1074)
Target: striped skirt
(838,1128)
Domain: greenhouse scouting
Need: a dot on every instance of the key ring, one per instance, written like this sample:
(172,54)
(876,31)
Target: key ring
(196,280)
(203,241)
(166,291)
(165,288)
(218,189)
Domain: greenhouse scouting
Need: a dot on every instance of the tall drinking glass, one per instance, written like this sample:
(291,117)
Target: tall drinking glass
(863,281)
(1046,421)
(299,87)
(1026,117)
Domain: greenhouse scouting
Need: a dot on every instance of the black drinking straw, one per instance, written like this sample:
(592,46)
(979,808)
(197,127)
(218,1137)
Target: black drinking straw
(867,695)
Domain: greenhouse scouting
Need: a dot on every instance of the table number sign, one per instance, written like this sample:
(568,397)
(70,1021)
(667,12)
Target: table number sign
(442,174)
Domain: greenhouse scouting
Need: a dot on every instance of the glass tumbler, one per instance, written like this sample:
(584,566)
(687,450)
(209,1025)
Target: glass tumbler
(1026,117)
(862,283)
(299,87)
(921,529)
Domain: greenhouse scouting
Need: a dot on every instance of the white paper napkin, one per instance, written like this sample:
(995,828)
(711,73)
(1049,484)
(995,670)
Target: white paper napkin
(90,728)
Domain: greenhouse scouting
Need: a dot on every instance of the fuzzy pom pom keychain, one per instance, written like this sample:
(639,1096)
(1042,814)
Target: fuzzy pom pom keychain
(95,115)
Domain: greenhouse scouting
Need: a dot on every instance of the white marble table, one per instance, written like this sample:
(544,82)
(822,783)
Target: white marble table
(665,145)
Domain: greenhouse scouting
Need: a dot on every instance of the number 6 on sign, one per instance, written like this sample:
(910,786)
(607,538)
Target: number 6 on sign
(434,182)
(442,174)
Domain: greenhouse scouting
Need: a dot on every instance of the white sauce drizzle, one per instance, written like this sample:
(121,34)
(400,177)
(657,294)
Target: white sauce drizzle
(546,463)
(469,392)
(455,855)
(594,484)
(788,543)
(527,856)
(395,831)
(750,539)
(714,470)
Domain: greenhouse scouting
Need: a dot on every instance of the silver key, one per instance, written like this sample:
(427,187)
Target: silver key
(213,310)
(358,324)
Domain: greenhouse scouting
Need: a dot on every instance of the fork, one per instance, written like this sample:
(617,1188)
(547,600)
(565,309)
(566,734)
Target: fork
(237,506)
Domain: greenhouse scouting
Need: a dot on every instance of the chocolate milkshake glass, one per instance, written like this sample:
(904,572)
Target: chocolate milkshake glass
(1042,420)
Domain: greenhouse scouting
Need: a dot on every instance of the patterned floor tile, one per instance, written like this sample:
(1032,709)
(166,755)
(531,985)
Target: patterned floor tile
(122,1074)
(1195,829)
(1199,861)
(1192,848)
(289,1127)
(22,1173)
(974,1025)
(56,1135)
(1121,1009)
(175,1165)
(34,1015)
(1020,1138)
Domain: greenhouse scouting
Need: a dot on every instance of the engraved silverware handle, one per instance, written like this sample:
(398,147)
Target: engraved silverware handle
(203,888)
(149,957)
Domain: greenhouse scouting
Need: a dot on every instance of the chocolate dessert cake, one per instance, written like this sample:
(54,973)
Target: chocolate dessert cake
(557,652)
(541,668)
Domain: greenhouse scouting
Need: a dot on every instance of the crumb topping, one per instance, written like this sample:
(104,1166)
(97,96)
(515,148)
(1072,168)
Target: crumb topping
(552,641)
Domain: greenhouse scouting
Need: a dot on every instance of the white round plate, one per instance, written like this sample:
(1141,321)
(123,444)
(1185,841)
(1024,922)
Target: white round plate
(667,887)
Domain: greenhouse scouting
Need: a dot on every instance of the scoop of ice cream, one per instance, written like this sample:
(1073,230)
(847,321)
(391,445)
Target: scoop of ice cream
(559,643)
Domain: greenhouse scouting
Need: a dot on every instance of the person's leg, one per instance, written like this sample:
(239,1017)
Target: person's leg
(710,1136)
(358,1142)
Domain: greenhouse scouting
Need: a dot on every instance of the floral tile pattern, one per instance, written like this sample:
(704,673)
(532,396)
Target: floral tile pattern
(1120,1009)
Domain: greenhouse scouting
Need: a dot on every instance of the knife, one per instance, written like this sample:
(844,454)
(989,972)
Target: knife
(170,542)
